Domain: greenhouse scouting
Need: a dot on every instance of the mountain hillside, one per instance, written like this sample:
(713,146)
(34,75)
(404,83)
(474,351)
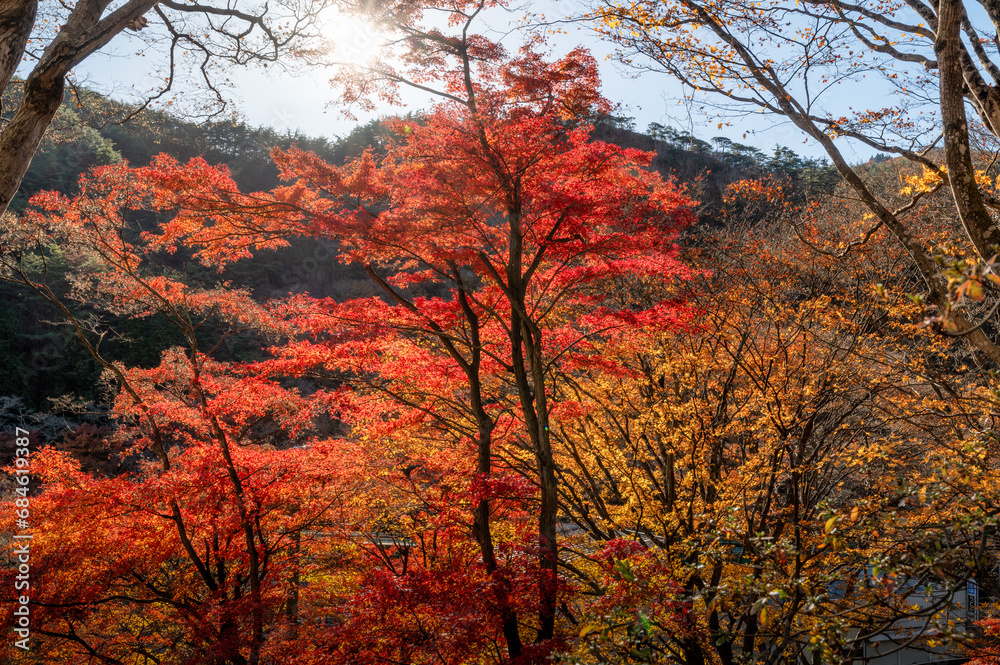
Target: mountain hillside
(39,363)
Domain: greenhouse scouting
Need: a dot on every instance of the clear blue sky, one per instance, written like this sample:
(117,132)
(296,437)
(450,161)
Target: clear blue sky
(305,102)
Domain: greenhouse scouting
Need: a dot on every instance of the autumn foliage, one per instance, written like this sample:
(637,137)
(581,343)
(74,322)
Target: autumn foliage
(554,435)
(497,232)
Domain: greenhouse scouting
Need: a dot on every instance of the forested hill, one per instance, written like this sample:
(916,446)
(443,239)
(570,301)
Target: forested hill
(709,167)
(86,134)
(39,362)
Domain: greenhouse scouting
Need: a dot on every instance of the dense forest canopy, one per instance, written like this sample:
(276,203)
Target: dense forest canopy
(502,380)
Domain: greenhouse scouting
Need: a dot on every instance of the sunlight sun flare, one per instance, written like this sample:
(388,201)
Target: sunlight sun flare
(352,40)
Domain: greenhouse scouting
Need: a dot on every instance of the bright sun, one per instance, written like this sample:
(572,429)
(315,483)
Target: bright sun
(354,41)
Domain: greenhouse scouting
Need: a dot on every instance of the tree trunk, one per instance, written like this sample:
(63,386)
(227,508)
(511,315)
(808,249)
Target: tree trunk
(84,33)
(976,219)
(16,21)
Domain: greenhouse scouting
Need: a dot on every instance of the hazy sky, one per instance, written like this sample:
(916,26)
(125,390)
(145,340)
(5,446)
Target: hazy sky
(305,102)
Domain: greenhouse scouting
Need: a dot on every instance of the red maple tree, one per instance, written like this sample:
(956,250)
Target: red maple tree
(503,240)
(508,247)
